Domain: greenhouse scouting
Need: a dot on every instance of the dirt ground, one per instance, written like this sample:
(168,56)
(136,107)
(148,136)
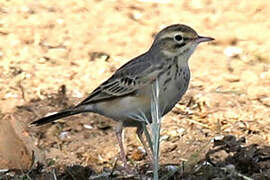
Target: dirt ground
(54,53)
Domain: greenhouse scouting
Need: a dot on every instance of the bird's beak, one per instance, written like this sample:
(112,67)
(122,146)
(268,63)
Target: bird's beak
(203,39)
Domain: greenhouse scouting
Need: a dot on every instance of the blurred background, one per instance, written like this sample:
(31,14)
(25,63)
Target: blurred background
(54,53)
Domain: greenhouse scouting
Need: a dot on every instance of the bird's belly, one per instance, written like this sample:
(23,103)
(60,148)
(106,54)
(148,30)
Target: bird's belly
(126,108)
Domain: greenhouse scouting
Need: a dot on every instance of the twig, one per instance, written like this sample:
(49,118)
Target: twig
(155,127)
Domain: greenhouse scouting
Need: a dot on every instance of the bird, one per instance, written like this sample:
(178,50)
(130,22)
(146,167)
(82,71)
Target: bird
(126,96)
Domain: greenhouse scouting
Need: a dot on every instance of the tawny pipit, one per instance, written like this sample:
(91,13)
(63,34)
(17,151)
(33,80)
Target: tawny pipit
(126,95)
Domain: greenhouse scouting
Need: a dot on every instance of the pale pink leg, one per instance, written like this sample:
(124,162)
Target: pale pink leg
(119,130)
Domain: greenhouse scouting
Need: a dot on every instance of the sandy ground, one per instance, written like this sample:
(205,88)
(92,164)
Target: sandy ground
(54,53)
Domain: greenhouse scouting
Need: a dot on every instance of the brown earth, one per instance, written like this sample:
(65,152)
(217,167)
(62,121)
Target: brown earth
(54,53)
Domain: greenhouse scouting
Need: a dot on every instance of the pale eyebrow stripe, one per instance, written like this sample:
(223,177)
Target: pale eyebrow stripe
(168,35)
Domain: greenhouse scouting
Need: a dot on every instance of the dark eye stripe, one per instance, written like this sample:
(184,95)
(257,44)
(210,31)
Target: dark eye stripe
(186,38)
(180,45)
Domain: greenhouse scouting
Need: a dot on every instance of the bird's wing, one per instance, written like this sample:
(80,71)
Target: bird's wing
(126,80)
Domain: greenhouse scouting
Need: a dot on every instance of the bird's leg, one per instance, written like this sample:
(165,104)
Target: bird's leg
(119,130)
(139,133)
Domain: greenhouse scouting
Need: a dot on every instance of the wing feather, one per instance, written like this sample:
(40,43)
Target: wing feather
(109,90)
(127,80)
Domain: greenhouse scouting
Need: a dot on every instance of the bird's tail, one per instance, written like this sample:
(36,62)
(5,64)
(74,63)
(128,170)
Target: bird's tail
(51,118)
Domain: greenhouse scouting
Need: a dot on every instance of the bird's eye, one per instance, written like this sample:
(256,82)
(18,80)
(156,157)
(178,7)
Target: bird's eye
(178,37)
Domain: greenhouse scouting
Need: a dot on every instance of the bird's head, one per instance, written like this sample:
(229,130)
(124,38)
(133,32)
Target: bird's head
(178,40)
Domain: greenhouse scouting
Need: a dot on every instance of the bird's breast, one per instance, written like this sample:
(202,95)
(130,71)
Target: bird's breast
(173,84)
